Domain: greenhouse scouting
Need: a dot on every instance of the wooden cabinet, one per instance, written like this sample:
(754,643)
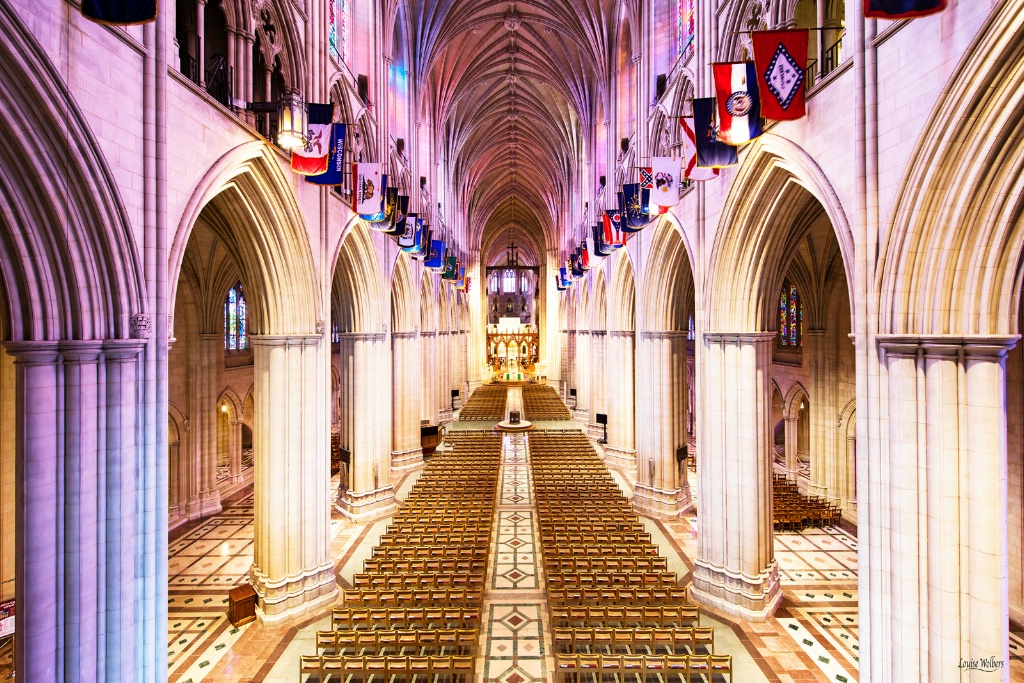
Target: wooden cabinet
(242,604)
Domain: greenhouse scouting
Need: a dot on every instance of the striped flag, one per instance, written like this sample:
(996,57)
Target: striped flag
(739,103)
(711,152)
(312,158)
(691,170)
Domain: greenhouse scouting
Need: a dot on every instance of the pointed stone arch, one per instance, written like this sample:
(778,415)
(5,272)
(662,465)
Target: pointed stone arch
(358,293)
(404,313)
(248,203)
(778,184)
(668,279)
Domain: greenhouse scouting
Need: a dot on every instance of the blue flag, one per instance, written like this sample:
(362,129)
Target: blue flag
(335,173)
(711,152)
(120,12)
(902,9)
(435,261)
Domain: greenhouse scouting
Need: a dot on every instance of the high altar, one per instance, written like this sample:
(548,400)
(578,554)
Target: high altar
(512,350)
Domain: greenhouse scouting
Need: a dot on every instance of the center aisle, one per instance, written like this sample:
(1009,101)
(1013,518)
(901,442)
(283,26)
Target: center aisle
(515,606)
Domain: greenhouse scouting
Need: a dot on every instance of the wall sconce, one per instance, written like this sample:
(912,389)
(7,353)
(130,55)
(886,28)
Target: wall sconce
(223,407)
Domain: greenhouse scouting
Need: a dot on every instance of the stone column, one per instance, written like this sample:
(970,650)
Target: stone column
(790,423)
(407,390)
(657,493)
(431,390)
(620,451)
(370,494)
(292,569)
(245,63)
(822,375)
(582,374)
(599,366)
(235,451)
(201,41)
(946,581)
(735,569)
(210,348)
(444,342)
(173,480)
(75,474)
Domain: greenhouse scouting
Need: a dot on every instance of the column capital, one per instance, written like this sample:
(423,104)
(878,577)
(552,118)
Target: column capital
(212,336)
(404,335)
(429,333)
(739,337)
(947,345)
(621,333)
(662,334)
(814,333)
(285,340)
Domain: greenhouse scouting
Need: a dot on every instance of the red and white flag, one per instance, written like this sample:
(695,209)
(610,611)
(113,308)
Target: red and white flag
(368,193)
(690,168)
(738,100)
(311,159)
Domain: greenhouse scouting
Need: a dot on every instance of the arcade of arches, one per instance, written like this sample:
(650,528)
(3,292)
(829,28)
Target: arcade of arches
(785,419)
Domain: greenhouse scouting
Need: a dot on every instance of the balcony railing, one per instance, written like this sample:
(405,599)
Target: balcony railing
(832,57)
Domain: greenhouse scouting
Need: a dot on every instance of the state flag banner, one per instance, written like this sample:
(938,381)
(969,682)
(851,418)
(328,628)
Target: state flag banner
(739,103)
(408,237)
(311,159)
(368,189)
(335,173)
(781,59)
(396,224)
(691,171)
(902,9)
(711,152)
(435,261)
(119,12)
(613,229)
(666,181)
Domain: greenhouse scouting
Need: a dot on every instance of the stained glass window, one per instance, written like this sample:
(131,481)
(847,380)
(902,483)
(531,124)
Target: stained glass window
(337,32)
(509,281)
(686,29)
(791,316)
(236,320)
(690,332)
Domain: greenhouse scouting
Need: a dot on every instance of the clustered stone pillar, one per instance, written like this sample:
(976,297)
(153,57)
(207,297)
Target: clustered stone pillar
(620,452)
(76,444)
(598,391)
(658,492)
(370,493)
(292,570)
(235,451)
(790,423)
(582,374)
(207,414)
(735,569)
(945,481)
(406,453)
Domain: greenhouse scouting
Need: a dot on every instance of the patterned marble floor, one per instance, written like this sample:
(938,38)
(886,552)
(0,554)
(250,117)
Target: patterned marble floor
(512,641)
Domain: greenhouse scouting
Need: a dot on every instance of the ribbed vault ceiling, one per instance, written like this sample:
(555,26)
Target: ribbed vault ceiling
(514,87)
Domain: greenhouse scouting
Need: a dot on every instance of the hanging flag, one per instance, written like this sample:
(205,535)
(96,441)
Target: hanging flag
(635,217)
(691,170)
(312,158)
(335,173)
(781,59)
(575,263)
(408,236)
(646,178)
(460,282)
(739,103)
(711,152)
(396,218)
(435,261)
(666,181)
(368,191)
(585,254)
(613,237)
(902,9)
(384,220)
(119,12)
(600,247)
(451,267)
(417,238)
(563,277)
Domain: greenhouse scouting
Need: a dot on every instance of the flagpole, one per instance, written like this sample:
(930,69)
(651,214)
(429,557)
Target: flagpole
(779,30)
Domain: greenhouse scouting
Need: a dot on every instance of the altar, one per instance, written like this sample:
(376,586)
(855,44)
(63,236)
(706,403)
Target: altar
(512,350)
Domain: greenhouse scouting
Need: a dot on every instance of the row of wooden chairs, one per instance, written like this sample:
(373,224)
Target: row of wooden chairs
(610,550)
(656,597)
(653,641)
(626,616)
(669,668)
(486,403)
(440,564)
(793,511)
(541,402)
(616,579)
(417,580)
(405,542)
(610,564)
(420,642)
(452,668)
(362,618)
